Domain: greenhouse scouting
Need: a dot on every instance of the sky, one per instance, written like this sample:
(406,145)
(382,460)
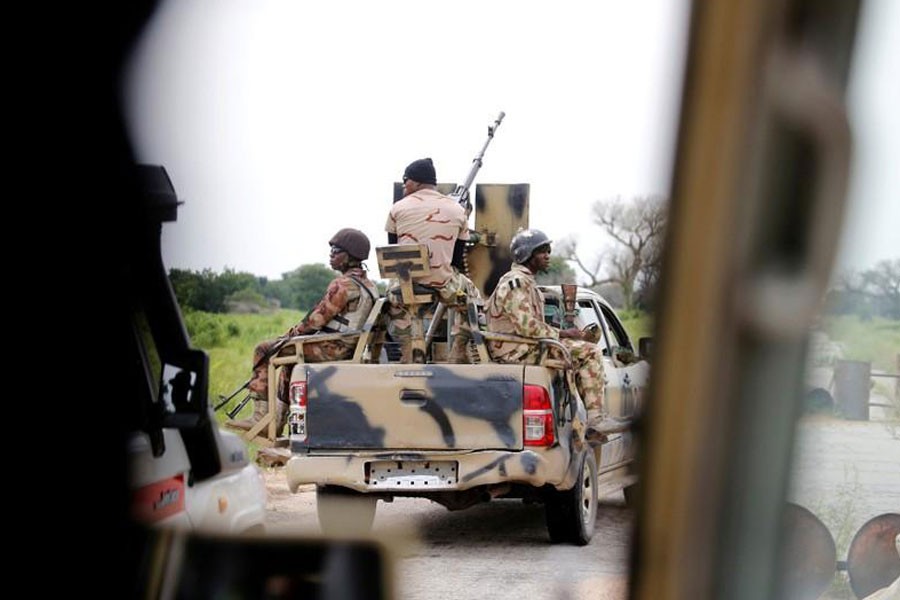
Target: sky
(280,122)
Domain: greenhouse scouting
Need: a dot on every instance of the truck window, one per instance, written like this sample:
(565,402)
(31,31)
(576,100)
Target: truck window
(615,329)
(588,315)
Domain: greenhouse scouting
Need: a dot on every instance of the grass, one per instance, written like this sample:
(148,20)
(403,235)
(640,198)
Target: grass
(874,340)
(638,324)
(229,339)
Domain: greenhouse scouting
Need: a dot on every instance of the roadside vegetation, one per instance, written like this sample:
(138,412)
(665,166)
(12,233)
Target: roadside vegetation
(229,339)
(875,339)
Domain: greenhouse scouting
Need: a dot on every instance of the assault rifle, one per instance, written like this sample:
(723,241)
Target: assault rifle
(461,193)
(224,400)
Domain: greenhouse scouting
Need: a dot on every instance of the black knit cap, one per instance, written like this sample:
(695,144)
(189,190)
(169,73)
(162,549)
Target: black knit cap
(421,170)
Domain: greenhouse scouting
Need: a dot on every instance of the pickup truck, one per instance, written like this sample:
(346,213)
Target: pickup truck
(371,429)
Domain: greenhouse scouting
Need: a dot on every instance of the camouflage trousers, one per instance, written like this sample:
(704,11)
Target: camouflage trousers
(312,352)
(454,294)
(590,378)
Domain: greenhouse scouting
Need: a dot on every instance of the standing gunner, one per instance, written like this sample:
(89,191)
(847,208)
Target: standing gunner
(426,216)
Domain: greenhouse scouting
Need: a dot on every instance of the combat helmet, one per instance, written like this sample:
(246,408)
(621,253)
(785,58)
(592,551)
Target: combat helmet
(353,241)
(525,242)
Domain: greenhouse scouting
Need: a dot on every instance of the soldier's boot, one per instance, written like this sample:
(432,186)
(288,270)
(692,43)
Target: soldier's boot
(282,410)
(600,425)
(260,409)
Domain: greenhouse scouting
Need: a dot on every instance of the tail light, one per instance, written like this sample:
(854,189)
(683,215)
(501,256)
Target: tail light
(297,419)
(537,416)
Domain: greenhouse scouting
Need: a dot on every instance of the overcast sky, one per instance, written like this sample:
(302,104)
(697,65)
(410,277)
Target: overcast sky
(282,122)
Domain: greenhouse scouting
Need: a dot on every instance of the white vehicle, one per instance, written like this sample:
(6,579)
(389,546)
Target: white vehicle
(184,472)
(163,493)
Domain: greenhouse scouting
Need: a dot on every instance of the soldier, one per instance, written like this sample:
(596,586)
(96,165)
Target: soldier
(425,216)
(517,307)
(345,307)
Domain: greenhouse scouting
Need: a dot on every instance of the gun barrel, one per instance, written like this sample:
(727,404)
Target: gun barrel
(461,191)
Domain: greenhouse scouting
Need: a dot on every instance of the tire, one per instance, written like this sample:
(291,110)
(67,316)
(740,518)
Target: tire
(344,512)
(632,495)
(572,514)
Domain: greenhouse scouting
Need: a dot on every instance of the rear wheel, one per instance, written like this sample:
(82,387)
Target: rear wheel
(632,494)
(572,514)
(344,512)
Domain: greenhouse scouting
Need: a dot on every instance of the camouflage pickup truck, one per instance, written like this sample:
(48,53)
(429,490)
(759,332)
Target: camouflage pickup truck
(372,429)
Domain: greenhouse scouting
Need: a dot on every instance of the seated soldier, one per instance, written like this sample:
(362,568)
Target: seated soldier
(425,216)
(517,307)
(345,307)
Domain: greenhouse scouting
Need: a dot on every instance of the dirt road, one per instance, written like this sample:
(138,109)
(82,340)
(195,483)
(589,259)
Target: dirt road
(845,472)
(497,550)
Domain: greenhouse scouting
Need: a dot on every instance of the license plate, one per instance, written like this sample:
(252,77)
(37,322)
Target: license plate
(412,475)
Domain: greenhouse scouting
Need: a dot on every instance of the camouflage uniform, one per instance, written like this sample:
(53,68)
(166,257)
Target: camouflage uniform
(431,218)
(345,306)
(517,307)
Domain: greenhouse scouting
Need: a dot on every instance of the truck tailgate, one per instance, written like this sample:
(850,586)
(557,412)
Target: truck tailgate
(412,406)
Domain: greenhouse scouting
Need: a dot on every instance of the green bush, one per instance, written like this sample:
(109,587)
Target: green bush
(206,330)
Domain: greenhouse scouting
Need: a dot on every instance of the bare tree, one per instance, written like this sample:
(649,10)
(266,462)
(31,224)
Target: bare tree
(875,291)
(637,228)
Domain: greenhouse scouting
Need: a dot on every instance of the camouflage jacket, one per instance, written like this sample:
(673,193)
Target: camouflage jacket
(344,306)
(517,307)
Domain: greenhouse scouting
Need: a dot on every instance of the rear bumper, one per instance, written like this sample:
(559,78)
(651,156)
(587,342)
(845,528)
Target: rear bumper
(536,467)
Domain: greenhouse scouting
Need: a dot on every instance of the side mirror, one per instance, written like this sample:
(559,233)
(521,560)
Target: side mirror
(624,355)
(645,347)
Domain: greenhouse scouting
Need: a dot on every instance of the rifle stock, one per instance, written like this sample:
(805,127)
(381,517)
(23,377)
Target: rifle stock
(238,407)
(224,400)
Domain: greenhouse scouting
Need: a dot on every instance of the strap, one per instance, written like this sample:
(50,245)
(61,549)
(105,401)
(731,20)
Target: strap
(363,286)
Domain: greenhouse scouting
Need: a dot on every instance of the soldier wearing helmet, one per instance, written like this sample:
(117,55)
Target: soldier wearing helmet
(345,307)
(517,307)
(425,216)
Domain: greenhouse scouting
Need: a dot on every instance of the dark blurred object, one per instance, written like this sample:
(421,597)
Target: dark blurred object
(872,560)
(276,569)
(809,555)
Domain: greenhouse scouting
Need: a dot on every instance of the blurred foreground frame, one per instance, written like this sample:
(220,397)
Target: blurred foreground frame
(758,197)
(184,565)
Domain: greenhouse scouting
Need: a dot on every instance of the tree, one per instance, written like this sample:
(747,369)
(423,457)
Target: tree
(875,291)
(206,290)
(637,228)
(303,287)
(559,271)
(884,283)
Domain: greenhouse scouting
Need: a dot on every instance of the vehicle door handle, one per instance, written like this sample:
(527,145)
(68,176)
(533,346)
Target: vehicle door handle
(414,397)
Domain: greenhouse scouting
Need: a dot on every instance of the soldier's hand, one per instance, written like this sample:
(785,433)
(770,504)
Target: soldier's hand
(572,333)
